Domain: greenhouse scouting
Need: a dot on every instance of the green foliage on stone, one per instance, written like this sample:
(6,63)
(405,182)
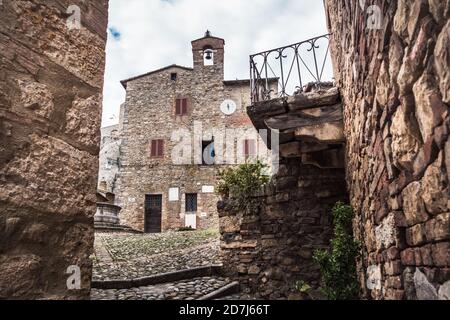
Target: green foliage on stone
(302,287)
(338,265)
(242,182)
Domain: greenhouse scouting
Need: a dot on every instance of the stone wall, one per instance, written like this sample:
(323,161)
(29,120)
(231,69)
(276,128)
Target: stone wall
(395,87)
(269,246)
(50,107)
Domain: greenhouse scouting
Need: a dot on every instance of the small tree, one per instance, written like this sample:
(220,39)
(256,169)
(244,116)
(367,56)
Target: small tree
(338,265)
(242,182)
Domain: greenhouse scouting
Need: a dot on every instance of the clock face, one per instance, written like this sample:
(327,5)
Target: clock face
(228,107)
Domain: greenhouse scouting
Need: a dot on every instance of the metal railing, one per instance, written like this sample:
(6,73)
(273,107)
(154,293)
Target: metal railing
(282,72)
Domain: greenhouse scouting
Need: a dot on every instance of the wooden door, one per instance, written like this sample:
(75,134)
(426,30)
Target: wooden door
(153,213)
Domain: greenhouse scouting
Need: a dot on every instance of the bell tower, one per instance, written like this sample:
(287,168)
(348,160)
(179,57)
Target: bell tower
(208,53)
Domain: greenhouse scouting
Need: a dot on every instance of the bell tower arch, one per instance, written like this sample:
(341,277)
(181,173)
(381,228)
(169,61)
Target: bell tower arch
(208,54)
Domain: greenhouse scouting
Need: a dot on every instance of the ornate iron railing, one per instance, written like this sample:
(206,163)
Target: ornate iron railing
(282,72)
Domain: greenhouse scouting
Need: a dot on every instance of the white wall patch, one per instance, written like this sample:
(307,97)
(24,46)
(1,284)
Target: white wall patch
(174,194)
(208,189)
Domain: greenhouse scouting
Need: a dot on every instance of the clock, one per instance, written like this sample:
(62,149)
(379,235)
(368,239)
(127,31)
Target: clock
(228,107)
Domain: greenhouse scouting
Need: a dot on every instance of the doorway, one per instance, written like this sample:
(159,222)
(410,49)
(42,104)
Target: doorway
(191,211)
(153,213)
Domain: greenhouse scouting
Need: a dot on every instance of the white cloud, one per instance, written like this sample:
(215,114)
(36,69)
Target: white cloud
(156,33)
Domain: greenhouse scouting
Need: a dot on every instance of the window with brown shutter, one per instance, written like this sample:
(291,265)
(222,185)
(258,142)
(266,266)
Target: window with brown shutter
(157,148)
(249,148)
(181,106)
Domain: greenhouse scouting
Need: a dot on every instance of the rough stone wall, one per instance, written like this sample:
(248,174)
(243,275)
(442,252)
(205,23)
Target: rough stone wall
(395,87)
(51,79)
(149,113)
(269,246)
(109,158)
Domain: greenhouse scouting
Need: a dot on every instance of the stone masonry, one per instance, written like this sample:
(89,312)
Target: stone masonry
(51,79)
(149,114)
(395,86)
(269,245)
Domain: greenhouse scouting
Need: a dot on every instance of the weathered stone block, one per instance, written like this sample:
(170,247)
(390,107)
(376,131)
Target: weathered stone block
(438,229)
(413,206)
(435,192)
(407,257)
(442,62)
(430,110)
(424,289)
(416,235)
(405,144)
(385,234)
(441,254)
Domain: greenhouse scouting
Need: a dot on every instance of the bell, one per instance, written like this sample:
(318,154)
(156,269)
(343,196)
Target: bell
(208,55)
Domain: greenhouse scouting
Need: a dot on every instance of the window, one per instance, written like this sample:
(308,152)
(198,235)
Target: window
(181,106)
(173,76)
(191,202)
(249,148)
(157,148)
(208,153)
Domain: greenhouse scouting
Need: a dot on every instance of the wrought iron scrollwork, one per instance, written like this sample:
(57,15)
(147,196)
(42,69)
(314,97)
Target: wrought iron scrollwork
(294,67)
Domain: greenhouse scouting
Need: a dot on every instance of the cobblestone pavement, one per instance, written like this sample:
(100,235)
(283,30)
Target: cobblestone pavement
(125,256)
(182,290)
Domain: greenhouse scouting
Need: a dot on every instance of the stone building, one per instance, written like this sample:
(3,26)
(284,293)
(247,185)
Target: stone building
(109,158)
(157,189)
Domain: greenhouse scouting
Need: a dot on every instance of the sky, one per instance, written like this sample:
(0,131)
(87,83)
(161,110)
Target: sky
(144,35)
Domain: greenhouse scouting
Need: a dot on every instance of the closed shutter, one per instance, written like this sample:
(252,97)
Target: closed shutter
(184,106)
(160,148)
(157,148)
(181,107)
(178,107)
(249,148)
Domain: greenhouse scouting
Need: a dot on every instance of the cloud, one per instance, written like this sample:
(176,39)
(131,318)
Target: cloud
(156,33)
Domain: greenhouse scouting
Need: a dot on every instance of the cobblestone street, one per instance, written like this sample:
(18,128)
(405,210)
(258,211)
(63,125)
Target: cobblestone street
(181,290)
(124,256)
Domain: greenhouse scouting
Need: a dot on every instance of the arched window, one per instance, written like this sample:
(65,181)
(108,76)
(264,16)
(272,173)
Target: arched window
(208,56)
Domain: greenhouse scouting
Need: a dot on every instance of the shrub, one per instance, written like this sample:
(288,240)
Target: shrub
(242,182)
(338,265)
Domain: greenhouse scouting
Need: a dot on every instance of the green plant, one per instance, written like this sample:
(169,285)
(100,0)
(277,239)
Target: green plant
(242,182)
(302,287)
(338,265)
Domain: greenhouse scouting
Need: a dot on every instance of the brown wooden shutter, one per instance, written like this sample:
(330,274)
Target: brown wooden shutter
(160,148)
(178,107)
(184,106)
(249,148)
(154,148)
